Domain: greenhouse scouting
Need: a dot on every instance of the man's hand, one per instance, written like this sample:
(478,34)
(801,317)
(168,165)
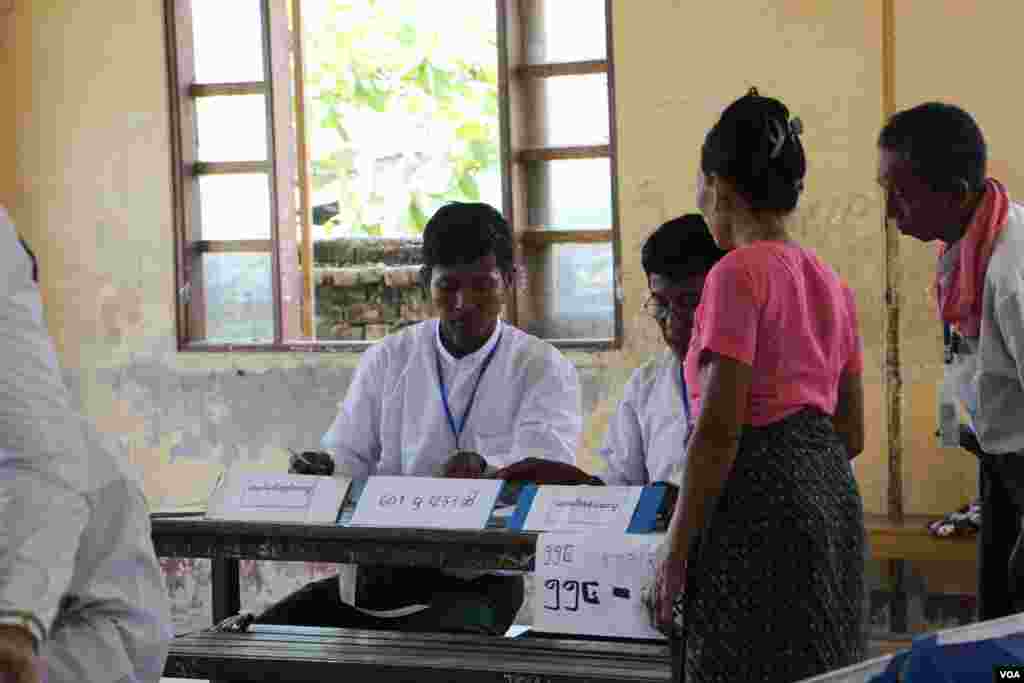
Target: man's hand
(311,462)
(464,465)
(17,659)
(969,442)
(238,623)
(542,471)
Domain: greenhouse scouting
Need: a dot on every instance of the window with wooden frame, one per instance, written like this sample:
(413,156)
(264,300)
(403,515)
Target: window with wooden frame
(257,265)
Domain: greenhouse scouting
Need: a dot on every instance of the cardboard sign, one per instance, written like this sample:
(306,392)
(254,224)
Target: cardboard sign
(578,508)
(590,584)
(426,502)
(263,497)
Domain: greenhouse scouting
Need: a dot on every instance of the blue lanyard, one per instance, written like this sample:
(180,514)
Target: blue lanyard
(457,432)
(686,394)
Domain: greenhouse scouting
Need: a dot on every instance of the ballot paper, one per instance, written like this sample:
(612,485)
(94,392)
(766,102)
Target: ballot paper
(263,497)
(591,583)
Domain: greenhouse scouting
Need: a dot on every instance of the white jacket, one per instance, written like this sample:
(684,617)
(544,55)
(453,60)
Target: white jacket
(1000,350)
(647,436)
(393,421)
(76,554)
(990,382)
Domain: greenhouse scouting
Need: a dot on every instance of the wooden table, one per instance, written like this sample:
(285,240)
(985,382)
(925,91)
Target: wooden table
(910,541)
(225,543)
(297,654)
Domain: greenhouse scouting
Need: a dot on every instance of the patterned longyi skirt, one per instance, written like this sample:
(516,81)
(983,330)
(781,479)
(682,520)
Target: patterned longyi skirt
(775,583)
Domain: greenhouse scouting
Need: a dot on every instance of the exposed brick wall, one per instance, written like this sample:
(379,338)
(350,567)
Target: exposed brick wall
(367,288)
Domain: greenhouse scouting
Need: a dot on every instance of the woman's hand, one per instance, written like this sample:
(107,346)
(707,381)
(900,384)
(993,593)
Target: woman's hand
(17,659)
(669,582)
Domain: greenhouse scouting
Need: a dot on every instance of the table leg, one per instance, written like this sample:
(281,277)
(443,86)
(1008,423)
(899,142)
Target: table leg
(225,587)
(226,591)
(899,605)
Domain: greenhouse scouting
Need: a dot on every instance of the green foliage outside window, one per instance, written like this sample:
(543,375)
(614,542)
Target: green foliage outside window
(403,109)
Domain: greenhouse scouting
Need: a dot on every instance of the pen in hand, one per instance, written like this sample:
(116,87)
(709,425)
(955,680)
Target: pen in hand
(300,458)
(311,463)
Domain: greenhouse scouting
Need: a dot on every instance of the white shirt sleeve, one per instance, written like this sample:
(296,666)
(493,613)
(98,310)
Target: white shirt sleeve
(1009,317)
(623,447)
(549,424)
(115,624)
(42,462)
(353,439)
(1000,381)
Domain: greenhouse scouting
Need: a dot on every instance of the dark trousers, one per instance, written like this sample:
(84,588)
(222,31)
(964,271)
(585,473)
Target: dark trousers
(486,605)
(1000,556)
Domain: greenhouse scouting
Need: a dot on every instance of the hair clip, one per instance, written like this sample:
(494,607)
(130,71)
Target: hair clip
(796,126)
(777,136)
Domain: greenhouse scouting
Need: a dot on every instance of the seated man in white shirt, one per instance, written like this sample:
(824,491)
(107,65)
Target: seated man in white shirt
(646,438)
(453,396)
(80,583)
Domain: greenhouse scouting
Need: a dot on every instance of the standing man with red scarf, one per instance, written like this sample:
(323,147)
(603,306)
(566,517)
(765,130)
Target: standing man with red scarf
(932,168)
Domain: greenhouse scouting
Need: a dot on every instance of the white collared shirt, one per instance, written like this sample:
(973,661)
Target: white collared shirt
(646,438)
(393,422)
(76,551)
(997,382)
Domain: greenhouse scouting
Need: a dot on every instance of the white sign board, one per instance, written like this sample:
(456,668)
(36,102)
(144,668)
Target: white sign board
(263,497)
(590,584)
(582,508)
(426,502)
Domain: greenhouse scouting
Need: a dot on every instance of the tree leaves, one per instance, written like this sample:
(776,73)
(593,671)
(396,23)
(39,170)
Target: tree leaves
(469,188)
(412,94)
(417,216)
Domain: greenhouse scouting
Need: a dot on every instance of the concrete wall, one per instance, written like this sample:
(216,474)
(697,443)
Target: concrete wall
(85,168)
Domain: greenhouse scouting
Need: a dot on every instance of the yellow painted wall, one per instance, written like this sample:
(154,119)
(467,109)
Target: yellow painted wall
(8,105)
(679,64)
(938,58)
(90,138)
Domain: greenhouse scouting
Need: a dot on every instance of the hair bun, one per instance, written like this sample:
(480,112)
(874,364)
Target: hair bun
(756,144)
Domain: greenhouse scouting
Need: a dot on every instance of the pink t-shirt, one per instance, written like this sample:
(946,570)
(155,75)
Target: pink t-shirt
(780,309)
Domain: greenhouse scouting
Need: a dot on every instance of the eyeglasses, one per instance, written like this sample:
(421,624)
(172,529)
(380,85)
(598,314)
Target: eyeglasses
(660,311)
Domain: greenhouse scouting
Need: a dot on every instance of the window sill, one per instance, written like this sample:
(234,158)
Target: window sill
(592,345)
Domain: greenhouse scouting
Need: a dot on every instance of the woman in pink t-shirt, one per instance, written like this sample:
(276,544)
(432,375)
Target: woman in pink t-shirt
(767,542)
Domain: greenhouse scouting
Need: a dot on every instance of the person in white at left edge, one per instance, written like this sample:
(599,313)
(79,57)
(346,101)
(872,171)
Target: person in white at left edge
(645,441)
(457,395)
(79,581)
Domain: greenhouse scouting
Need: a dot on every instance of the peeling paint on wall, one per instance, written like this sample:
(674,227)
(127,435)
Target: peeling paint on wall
(234,413)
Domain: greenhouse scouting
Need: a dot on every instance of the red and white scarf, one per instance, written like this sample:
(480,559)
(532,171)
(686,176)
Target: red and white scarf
(959,293)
